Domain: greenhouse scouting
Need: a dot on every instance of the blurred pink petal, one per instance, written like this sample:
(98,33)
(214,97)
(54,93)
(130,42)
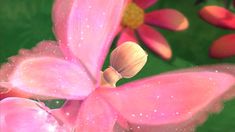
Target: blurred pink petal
(225,68)
(155,41)
(218,16)
(85,30)
(68,112)
(171,101)
(167,18)
(127,35)
(145,3)
(96,115)
(52,77)
(44,48)
(23,115)
(223,47)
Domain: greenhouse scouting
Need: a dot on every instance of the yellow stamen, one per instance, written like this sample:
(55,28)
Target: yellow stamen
(133,16)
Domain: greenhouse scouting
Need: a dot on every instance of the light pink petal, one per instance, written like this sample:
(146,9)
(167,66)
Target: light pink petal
(51,77)
(218,16)
(167,18)
(23,115)
(223,47)
(127,35)
(68,112)
(155,41)
(170,102)
(44,48)
(96,115)
(85,30)
(145,3)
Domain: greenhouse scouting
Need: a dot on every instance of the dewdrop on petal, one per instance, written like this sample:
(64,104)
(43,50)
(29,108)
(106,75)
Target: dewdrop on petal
(125,62)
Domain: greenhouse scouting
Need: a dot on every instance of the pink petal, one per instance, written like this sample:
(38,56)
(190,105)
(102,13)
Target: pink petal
(23,115)
(95,115)
(155,41)
(68,112)
(225,68)
(167,18)
(51,77)
(218,16)
(85,29)
(223,47)
(127,35)
(145,3)
(44,48)
(170,102)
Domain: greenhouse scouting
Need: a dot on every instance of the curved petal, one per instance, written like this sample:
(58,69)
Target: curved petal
(127,35)
(44,48)
(24,115)
(223,47)
(48,77)
(85,30)
(68,112)
(170,102)
(145,3)
(155,41)
(167,18)
(218,16)
(96,115)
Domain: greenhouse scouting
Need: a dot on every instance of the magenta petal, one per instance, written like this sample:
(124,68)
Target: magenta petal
(218,16)
(51,77)
(170,102)
(145,3)
(167,18)
(85,29)
(96,115)
(223,47)
(127,35)
(23,115)
(155,41)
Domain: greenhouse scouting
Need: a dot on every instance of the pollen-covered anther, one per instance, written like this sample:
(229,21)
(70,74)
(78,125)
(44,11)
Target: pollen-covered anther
(133,16)
(125,62)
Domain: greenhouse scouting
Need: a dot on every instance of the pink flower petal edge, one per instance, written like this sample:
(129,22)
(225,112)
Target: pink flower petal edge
(42,73)
(20,114)
(76,26)
(127,35)
(96,115)
(167,18)
(145,3)
(223,47)
(218,16)
(44,48)
(155,41)
(170,102)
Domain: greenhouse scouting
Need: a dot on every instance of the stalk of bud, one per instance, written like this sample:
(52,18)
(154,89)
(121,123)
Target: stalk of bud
(125,62)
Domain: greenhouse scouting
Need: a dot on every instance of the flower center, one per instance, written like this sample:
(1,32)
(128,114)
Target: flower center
(133,16)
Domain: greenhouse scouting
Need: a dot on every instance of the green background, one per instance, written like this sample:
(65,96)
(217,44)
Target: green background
(23,23)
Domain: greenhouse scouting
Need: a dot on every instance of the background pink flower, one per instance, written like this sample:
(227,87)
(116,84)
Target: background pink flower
(136,19)
(224,46)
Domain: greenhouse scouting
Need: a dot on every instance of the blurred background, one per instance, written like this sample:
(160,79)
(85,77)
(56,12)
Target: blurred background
(24,23)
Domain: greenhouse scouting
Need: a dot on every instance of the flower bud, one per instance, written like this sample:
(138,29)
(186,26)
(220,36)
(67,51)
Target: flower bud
(128,59)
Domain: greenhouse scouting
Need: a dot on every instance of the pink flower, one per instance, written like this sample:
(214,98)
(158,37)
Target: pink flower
(136,19)
(169,102)
(220,17)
